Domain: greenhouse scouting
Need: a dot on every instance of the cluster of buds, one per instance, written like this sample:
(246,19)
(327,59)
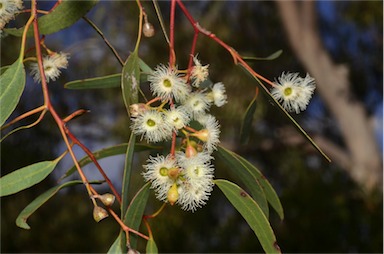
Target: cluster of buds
(183,176)
(100,213)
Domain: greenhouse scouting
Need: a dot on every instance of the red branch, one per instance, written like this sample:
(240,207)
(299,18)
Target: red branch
(236,57)
(62,123)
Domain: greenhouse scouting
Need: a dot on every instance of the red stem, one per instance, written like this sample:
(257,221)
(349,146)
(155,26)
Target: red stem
(173,147)
(193,48)
(236,57)
(92,157)
(60,123)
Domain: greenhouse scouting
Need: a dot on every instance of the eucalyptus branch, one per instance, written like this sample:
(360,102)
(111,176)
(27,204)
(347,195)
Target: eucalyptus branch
(140,25)
(92,157)
(60,123)
(236,57)
(27,114)
(41,116)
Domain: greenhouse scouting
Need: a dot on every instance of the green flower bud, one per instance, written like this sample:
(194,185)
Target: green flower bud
(173,194)
(107,199)
(99,213)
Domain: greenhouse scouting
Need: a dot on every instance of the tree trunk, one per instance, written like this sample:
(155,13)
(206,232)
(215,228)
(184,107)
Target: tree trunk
(333,85)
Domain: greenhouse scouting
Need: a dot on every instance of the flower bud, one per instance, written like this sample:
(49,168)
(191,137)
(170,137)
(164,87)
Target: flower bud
(173,173)
(136,109)
(148,29)
(99,213)
(173,194)
(203,135)
(190,151)
(133,251)
(107,199)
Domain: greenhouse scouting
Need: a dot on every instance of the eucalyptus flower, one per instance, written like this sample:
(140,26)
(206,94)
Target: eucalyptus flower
(152,126)
(8,10)
(197,104)
(52,65)
(218,95)
(177,117)
(199,72)
(157,172)
(210,132)
(197,180)
(293,92)
(165,83)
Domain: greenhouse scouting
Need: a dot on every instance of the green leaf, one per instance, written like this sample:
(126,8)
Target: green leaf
(115,247)
(130,80)
(144,67)
(247,121)
(63,16)
(269,191)
(12,83)
(135,212)
(108,81)
(252,213)
(270,57)
(248,177)
(285,113)
(21,220)
(127,172)
(4,68)
(26,177)
(151,246)
(107,152)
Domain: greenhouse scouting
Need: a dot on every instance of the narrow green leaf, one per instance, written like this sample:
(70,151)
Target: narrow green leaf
(161,20)
(282,110)
(12,83)
(270,57)
(151,246)
(135,212)
(107,152)
(115,247)
(247,121)
(26,177)
(248,177)
(127,172)
(63,16)
(3,69)
(269,191)
(108,81)
(252,213)
(144,67)
(130,80)
(21,220)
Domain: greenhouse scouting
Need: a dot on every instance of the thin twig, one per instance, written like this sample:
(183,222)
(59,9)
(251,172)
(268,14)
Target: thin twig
(105,40)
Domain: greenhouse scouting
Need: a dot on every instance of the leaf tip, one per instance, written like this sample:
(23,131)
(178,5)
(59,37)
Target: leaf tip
(276,247)
(22,223)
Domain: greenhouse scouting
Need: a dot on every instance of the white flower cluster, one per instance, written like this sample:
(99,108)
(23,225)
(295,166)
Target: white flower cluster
(293,91)
(52,65)
(182,177)
(8,10)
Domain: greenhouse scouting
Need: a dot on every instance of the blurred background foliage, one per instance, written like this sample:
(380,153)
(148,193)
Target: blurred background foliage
(325,211)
